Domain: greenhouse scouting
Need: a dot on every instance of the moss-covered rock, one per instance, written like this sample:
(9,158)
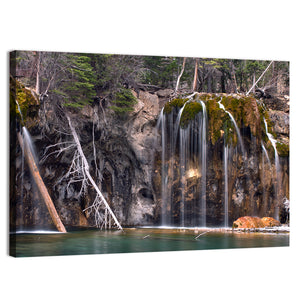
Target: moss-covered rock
(177,102)
(189,113)
(216,117)
(248,113)
(23,101)
(282,149)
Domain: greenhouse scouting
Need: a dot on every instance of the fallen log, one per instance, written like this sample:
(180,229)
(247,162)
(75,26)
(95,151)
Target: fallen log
(40,184)
(86,171)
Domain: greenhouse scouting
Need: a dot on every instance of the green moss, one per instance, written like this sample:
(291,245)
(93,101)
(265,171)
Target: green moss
(205,97)
(229,131)
(216,117)
(189,113)
(177,102)
(247,112)
(263,114)
(24,97)
(282,149)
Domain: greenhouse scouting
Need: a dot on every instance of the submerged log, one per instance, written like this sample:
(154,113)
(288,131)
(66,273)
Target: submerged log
(40,184)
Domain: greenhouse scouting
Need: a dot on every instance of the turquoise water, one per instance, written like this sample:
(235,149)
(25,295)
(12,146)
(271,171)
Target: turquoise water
(136,240)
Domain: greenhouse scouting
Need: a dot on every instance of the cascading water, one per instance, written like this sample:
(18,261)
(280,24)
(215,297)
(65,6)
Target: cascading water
(236,128)
(162,123)
(264,170)
(207,176)
(277,173)
(202,159)
(179,164)
(28,140)
(27,188)
(225,161)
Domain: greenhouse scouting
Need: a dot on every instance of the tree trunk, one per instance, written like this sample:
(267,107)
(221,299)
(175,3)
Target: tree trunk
(275,77)
(37,83)
(182,70)
(40,184)
(209,82)
(233,78)
(87,173)
(195,76)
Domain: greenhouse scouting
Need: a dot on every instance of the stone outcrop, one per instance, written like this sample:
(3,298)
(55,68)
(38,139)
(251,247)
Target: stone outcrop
(124,155)
(255,222)
(270,222)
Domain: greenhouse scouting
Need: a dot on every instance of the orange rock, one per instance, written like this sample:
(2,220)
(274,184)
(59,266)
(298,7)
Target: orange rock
(270,222)
(255,222)
(248,222)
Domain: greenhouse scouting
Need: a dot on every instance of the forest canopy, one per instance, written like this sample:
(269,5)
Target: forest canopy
(77,79)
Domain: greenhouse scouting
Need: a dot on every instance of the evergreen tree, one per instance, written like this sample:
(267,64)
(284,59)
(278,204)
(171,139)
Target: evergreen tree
(78,89)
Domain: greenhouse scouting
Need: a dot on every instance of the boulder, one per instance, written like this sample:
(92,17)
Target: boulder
(248,222)
(281,121)
(270,222)
(164,93)
(281,103)
(255,222)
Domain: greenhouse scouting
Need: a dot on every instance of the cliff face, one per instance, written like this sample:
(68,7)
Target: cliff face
(125,157)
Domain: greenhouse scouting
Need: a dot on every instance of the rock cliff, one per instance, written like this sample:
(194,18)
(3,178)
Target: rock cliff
(125,159)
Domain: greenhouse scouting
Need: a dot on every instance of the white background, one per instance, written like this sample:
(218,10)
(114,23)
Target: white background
(219,29)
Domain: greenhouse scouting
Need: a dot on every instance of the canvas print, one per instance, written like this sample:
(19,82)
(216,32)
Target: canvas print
(115,153)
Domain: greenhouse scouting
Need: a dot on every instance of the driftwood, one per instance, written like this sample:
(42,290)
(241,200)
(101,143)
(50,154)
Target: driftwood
(100,200)
(40,184)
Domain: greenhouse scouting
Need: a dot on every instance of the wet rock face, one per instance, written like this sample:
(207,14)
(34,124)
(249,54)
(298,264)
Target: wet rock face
(281,122)
(120,156)
(125,160)
(254,185)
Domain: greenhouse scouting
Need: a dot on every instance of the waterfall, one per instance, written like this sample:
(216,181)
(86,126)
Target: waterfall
(183,160)
(22,188)
(266,154)
(202,158)
(265,198)
(162,123)
(27,138)
(277,173)
(188,197)
(235,126)
(225,160)
(225,163)
(19,108)
(182,165)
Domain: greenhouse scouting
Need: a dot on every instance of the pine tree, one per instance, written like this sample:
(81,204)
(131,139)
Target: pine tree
(78,89)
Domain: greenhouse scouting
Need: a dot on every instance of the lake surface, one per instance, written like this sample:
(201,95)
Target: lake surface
(27,244)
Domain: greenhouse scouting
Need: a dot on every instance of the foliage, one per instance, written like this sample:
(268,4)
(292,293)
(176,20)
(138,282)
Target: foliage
(74,80)
(161,71)
(78,90)
(124,102)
